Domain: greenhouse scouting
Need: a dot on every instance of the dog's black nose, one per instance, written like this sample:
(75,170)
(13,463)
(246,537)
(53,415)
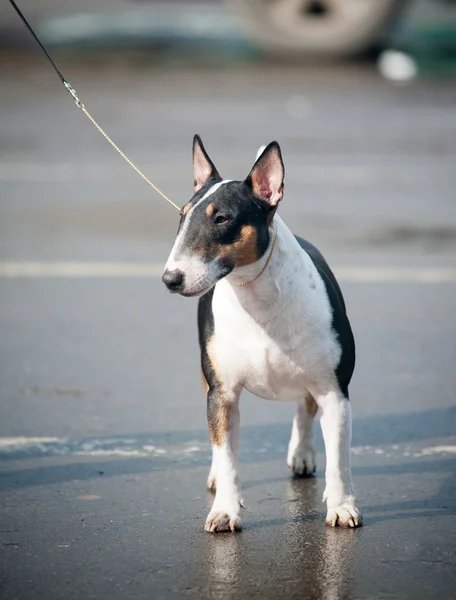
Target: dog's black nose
(174,280)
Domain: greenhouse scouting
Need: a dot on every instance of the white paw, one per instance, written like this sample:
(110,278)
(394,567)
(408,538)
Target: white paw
(344,515)
(224,515)
(218,521)
(301,461)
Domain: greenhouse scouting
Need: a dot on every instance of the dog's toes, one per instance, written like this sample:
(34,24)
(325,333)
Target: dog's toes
(302,463)
(302,469)
(345,515)
(217,522)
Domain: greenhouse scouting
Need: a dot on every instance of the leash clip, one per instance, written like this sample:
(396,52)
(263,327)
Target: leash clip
(72,91)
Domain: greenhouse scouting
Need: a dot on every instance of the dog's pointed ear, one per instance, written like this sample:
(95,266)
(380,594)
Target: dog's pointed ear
(267,174)
(203,167)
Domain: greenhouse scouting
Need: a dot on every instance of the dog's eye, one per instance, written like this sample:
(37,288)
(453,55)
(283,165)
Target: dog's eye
(220,219)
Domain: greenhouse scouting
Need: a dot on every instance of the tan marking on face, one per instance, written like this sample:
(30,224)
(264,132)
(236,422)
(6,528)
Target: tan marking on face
(244,251)
(186,208)
(210,210)
(241,253)
(201,251)
(219,428)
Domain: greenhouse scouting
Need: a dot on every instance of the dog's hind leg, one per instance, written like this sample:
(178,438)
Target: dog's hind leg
(301,452)
(223,421)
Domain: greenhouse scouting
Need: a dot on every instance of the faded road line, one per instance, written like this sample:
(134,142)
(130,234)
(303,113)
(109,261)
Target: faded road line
(72,269)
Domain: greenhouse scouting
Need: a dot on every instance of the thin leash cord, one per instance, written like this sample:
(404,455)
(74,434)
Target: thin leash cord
(80,105)
(105,135)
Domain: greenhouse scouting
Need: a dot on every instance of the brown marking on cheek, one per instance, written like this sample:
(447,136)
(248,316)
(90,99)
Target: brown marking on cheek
(210,210)
(198,250)
(207,252)
(244,251)
(186,208)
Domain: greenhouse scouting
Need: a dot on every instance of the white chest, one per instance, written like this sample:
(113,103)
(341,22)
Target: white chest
(275,339)
(247,355)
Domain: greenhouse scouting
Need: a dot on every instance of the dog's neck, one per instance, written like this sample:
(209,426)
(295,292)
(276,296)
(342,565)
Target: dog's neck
(247,275)
(261,298)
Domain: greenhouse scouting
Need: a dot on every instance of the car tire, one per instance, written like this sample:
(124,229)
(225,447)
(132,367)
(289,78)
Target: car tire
(316,28)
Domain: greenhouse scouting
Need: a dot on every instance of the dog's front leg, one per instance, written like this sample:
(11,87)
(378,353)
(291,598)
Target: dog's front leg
(223,420)
(336,428)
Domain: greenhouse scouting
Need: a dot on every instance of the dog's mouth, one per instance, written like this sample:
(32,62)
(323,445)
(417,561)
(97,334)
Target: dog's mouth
(195,294)
(204,284)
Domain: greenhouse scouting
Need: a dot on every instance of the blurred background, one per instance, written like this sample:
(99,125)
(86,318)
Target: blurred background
(290,29)
(102,418)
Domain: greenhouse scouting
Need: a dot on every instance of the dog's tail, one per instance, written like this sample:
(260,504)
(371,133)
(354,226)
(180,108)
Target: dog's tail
(259,152)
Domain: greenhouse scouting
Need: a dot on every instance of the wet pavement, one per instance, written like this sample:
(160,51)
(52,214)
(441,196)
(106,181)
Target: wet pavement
(104,450)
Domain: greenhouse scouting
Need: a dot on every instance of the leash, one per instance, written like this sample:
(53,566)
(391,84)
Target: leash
(80,105)
(70,89)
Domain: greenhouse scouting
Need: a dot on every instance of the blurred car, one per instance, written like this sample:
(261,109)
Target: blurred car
(318,29)
(333,28)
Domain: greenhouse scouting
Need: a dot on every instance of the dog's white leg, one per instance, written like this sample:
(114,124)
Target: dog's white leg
(301,452)
(223,419)
(336,428)
(212,478)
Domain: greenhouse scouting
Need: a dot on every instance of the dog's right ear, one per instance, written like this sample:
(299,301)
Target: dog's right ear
(266,177)
(203,167)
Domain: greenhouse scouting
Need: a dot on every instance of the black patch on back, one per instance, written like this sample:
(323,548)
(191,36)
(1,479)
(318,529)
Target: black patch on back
(340,322)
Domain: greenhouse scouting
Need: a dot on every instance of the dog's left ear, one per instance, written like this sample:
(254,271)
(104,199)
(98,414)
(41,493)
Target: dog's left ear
(203,167)
(266,177)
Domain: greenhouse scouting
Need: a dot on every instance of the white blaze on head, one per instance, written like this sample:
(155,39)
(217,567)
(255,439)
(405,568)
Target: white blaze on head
(196,271)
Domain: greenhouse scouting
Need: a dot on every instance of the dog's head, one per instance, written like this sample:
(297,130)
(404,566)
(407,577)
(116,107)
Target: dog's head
(225,224)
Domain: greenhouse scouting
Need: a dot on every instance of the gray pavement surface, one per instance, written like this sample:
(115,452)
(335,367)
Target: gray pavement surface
(104,450)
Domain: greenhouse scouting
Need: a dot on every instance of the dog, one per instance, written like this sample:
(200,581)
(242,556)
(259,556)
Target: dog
(271,320)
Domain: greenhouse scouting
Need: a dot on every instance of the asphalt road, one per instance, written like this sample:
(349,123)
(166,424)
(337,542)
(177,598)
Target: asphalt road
(104,449)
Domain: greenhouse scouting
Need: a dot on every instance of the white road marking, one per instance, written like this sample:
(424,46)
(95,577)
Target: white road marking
(437,450)
(80,269)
